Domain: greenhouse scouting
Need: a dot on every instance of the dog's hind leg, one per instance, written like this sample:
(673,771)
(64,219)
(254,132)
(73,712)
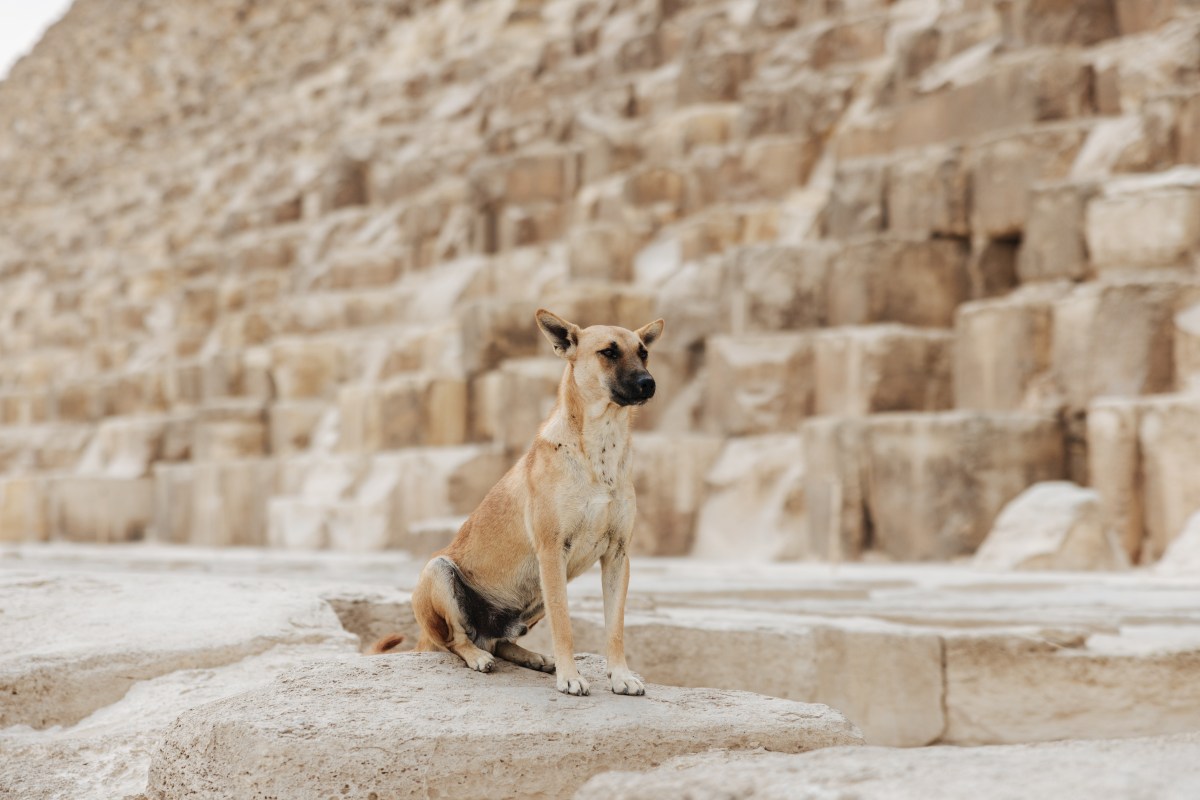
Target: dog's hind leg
(511,651)
(439,612)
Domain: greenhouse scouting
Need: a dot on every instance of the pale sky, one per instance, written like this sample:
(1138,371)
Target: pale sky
(22,23)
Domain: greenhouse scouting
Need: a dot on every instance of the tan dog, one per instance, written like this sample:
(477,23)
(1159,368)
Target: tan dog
(565,504)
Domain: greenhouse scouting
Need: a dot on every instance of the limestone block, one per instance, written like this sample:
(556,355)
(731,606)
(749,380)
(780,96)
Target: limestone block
(1062,22)
(774,287)
(1003,350)
(682,131)
(1004,168)
(869,369)
(100,509)
(857,202)
(759,383)
(527,390)
(898,280)
(1053,525)
(127,447)
(835,487)
(526,712)
(24,509)
(174,492)
(1183,554)
(602,251)
(712,74)
(1115,469)
(229,502)
(589,303)
(1115,338)
(669,472)
(404,411)
(1136,16)
(1169,438)
(937,481)
(1145,221)
(1187,349)
(24,408)
(1007,690)
(775,165)
(928,193)
(1054,246)
(426,537)
(753,507)
(1159,766)
(229,430)
(493,331)
(293,425)
(659,187)
(305,368)
(360,268)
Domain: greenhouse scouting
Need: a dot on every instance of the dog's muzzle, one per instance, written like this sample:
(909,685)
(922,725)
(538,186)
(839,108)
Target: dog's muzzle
(636,392)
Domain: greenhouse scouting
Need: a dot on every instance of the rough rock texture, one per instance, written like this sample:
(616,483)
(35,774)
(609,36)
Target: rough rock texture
(1053,525)
(1183,555)
(1131,769)
(235,244)
(400,725)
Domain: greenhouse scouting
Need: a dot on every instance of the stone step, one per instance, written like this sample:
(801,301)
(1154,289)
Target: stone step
(679,721)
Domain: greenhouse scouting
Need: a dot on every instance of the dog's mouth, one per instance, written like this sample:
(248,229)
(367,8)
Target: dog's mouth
(623,399)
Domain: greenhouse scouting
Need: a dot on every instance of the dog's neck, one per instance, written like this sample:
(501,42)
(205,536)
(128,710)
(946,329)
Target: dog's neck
(597,433)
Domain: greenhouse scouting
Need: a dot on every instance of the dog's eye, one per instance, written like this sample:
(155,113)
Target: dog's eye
(610,353)
(642,353)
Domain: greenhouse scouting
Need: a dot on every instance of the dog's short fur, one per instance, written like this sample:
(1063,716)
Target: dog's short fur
(567,503)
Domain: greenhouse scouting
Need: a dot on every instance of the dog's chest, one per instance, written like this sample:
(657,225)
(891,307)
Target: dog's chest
(605,445)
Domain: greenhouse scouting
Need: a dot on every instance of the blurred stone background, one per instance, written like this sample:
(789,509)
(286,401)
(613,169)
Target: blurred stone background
(268,269)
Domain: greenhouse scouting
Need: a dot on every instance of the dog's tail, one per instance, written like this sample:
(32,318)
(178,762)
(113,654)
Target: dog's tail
(386,644)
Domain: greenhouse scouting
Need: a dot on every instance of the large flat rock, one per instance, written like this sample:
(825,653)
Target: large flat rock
(1156,768)
(421,725)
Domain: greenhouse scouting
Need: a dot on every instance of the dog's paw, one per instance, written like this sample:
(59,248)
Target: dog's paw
(543,663)
(576,685)
(627,683)
(483,662)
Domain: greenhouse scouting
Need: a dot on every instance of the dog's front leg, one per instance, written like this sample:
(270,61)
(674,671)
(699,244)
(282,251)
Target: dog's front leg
(553,571)
(614,573)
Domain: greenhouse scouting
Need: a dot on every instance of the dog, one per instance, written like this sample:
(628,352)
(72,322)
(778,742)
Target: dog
(567,503)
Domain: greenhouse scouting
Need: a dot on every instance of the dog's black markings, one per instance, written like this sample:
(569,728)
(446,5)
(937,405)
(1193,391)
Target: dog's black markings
(483,621)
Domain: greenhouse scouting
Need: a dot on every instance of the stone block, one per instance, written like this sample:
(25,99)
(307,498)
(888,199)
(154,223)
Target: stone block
(1169,440)
(1062,22)
(305,368)
(875,368)
(255,754)
(907,281)
(229,502)
(937,481)
(1054,245)
(174,493)
(1145,221)
(230,430)
(493,331)
(1114,469)
(1115,338)
(669,477)
(527,390)
(1003,350)
(753,507)
(774,287)
(929,193)
(404,411)
(835,488)
(293,425)
(1187,349)
(1004,168)
(858,200)
(1055,525)
(602,251)
(99,509)
(1138,16)
(759,383)
(24,508)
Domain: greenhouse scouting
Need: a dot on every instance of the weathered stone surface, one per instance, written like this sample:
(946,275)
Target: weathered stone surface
(774,287)
(876,368)
(1054,245)
(406,411)
(759,479)
(937,481)
(1150,767)
(928,193)
(759,383)
(1187,349)
(907,281)
(1169,442)
(1052,525)
(835,487)
(414,732)
(1145,221)
(669,478)
(99,509)
(1003,349)
(1115,469)
(1183,554)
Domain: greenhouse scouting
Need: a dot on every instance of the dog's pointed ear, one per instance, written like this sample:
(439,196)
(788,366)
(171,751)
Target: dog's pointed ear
(562,334)
(649,333)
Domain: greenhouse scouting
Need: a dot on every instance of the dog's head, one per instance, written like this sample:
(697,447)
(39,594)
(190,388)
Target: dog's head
(609,362)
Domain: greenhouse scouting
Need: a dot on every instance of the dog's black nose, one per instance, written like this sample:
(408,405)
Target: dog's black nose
(645,386)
